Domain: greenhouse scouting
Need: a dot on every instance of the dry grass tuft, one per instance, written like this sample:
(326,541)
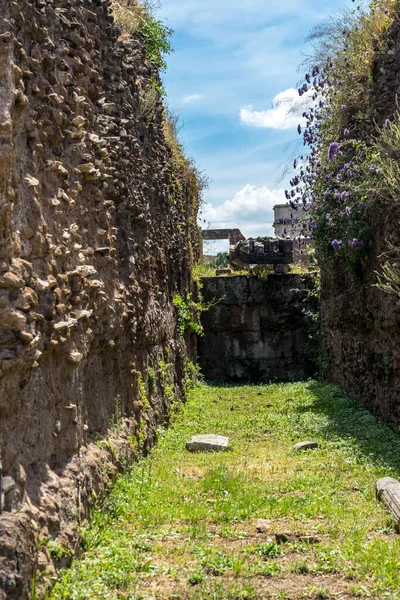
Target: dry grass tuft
(130,15)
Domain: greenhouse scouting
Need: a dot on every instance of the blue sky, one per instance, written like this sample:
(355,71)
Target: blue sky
(232,59)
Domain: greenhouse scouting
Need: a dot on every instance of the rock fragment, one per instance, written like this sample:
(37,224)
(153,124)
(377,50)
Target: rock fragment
(285,537)
(388,491)
(8,484)
(263,525)
(305,446)
(208,442)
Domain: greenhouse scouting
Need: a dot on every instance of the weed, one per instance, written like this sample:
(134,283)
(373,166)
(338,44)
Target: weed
(116,419)
(188,314)
(389,276)
(156,41)
(143,391)
(151,380)
(269,550)
(148,98)
(302,568)
(58,551)
(133,17)
(195,577)
(130,15)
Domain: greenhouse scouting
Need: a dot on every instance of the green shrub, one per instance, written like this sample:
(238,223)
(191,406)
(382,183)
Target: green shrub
(136,17)
(352,163)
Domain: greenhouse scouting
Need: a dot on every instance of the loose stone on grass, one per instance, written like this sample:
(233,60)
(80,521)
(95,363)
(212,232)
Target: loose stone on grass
(284,538)
(305,446)
(388,491)
(263,525)
(208,443)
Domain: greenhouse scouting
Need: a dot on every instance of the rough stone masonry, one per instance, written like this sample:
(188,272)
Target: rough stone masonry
(97,233)
(259,329)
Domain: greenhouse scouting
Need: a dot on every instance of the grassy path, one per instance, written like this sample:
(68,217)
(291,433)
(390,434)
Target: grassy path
(182,525)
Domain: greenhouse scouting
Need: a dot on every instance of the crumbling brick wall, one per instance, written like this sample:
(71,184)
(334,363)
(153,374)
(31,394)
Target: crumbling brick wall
(97,233)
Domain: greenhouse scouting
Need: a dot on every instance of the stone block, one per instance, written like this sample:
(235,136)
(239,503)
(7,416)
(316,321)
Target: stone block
(388,491)
(244,318)
(262,251)
(306,446)
(220,272)
(217,319)
(207,443)
(263,525)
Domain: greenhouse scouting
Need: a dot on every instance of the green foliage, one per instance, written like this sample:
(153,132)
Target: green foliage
(143,391)
(134,16)
(116,419)
(202,269)
(221,261)
(188,313)
(156,41)
(57,551)
(389,276)
(193,375)
(195,577)
(151,380)
(353,165)
(387,147)
(188,183)
(269,550)
(164,371)
(345,199)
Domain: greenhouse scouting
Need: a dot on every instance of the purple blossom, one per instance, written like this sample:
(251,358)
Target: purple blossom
(347,209)
(344,195)
(387,123)
(379,171)
(346,133)
(355,244)
(337,245)
(299,129)
(333,150)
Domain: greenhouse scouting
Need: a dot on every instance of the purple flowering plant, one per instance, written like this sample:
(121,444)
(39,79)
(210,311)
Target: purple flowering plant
(343,171)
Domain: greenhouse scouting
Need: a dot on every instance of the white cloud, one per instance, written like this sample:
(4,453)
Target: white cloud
(286,112)
(192,98)
(250,210)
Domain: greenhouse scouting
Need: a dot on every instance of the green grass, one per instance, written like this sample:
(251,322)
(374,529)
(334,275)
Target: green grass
(182,525)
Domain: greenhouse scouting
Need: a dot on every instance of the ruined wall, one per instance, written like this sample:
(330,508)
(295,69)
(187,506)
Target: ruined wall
(258,329)
(360,341)
(360,335)
(97,233)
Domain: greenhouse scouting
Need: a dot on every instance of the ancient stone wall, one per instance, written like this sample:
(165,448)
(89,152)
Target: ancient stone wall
(360,323)
(360,345)
(97,234)
(259,329)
